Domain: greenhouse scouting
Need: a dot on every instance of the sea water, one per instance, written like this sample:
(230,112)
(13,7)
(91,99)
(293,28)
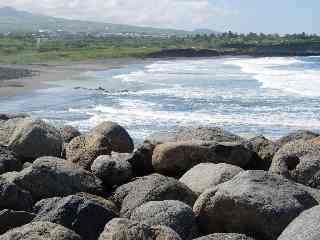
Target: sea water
(247,96)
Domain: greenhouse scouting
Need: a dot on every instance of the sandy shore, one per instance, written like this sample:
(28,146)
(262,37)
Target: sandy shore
(43,73)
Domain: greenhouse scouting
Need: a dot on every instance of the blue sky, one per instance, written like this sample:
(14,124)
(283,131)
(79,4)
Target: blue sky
(270,16)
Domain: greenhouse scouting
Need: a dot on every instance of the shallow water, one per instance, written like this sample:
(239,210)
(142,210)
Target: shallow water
(248,96)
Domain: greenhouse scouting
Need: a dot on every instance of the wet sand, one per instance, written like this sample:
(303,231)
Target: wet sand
(43,73)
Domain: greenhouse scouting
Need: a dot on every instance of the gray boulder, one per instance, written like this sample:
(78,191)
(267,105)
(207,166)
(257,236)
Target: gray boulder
(10,219)
(118,138)
(26,165)
(186,134)
(50,177)
(207,175)
(299,161)
(297,135)
(114,170)
(40,231)
(163,233)
(8,116)
(264,149)
(177,158)
(154,187)
(107,203)
(86,217)
(225,236)
(141,160)
(102,140)
(8,124)
(255,203)
(68,133)
(35,138)
(305,227)
(8,161)
(174,214)
(125,229)
(14,197)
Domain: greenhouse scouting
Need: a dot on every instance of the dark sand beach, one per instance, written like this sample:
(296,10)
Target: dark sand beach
(15,79)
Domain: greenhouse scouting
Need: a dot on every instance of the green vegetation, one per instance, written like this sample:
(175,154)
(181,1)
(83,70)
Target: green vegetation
(230,39)
(24,49)
(73,40)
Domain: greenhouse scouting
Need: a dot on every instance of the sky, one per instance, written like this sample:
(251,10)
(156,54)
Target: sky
(269,16)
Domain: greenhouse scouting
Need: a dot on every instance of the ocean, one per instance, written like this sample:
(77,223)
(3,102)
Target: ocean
(247,96)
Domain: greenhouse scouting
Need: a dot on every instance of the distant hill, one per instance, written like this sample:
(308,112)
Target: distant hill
(206,31)
(12,20)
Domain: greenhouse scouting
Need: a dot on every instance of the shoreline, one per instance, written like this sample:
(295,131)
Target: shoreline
(50,72)
(38,75)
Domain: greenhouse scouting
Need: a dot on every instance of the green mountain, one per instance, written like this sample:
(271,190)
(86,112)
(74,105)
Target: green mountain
(12,20)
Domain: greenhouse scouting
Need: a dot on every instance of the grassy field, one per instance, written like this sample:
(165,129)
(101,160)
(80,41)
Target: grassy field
(25,49)
(29,56)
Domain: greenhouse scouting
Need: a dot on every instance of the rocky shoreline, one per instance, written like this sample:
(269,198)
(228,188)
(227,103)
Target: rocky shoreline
(194,183)
(15,73)
(261,51)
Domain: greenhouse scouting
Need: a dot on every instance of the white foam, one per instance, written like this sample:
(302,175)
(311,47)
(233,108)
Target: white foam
(141,118)
(131,77)
(179,66)
(306,82)
(162,72)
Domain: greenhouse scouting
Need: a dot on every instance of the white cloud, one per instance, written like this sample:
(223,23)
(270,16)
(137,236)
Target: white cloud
(186,14)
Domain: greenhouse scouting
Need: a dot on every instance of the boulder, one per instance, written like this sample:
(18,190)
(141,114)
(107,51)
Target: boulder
(186,134)
(40,231)
(174,214)
(68,133)
(10,219)
(225,236)
(50,177)
(118,138)
(264,149)
(107,203)
(207,175)
(297,135)
(83,150)
(315,140)
(113,169)
(163,233)
(8,116)
(255,203)
(102,140)
(125,229)
(154,187)
(299,161)
(35,138)
(141,160)
(8,124)
(305,227)
(176,158)
(84,216)
(13,197)
(8,161)
(26,165)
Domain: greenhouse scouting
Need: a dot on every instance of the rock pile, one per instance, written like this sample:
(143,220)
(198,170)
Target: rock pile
(193,183)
